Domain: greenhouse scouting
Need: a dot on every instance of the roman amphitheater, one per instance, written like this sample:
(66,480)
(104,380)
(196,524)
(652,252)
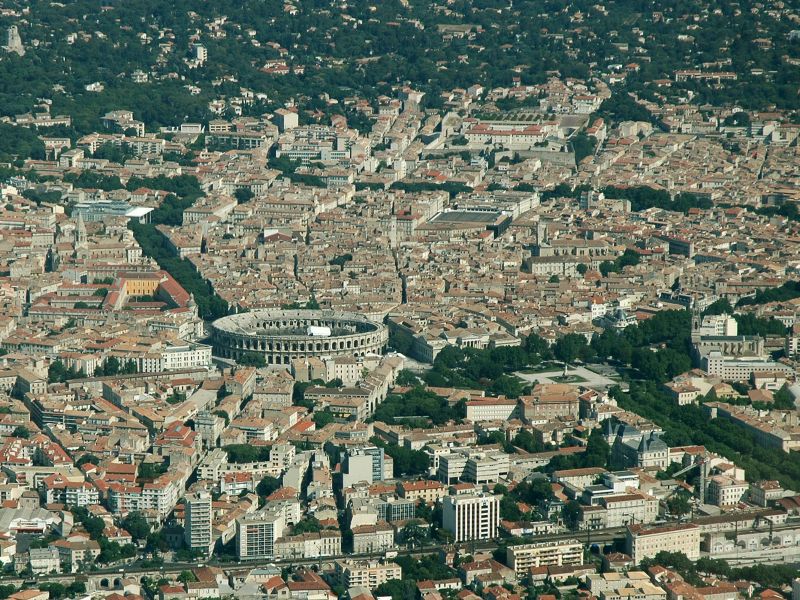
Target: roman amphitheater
(282,335)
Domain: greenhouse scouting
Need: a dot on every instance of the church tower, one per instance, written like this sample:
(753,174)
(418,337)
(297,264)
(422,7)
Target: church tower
(80,234)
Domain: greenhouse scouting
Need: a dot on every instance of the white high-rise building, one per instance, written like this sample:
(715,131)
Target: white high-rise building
(256,533)
(363,464)
(200,53)
(471,517)
(197,523)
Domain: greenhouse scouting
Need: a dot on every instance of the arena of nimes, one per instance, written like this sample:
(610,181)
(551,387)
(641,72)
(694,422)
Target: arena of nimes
(282,335)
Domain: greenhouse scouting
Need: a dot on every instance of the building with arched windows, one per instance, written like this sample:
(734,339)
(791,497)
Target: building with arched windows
(283,335)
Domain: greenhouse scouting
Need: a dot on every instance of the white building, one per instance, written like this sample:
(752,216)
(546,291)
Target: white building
(471,517)
(363,464)
(368,574)
(373,538)
(491,409)
(645,542)
(200,53)
(197,522)
(45,560)
(726,491)
(256,533)
(171,358)
(737,368)
(474,466)
(286,119)
(630,508)
(719,325)
(544,554)
(309,545)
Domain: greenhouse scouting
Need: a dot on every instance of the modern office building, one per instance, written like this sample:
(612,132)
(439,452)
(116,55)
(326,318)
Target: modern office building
(363,464)
(471,516)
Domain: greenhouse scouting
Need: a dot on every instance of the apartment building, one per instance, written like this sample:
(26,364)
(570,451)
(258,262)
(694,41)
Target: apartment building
(197,522)
(391,509)
(209,427)
(174,357)
(373,538)
(280,457)
(309,545)
(426,490)
(579,478)
(59,490)
(734,368)
(634,585)
(544,554)
(725,491)
(471,516)
(75,554)
(629,508)
(256,533)
(763,493)
(549,401)
(768,431)
(368,574)
(159,496)
(44,561)
(643,541)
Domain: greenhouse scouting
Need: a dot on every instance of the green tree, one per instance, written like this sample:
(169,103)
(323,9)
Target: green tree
(245,453)
(93,525)
(267,485)
(135,524)
(568,348)
(21,432)
(322,418)
(413,535)
(252,359)
(719,307)
(55,589)
(309,524)
(598,452)
(407,378)
(186,577)
(407,462)
(783,399)
(679,504)
(109,368)
(243,195)
(56,372)
(110,552)
(509,509)
(571,513)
